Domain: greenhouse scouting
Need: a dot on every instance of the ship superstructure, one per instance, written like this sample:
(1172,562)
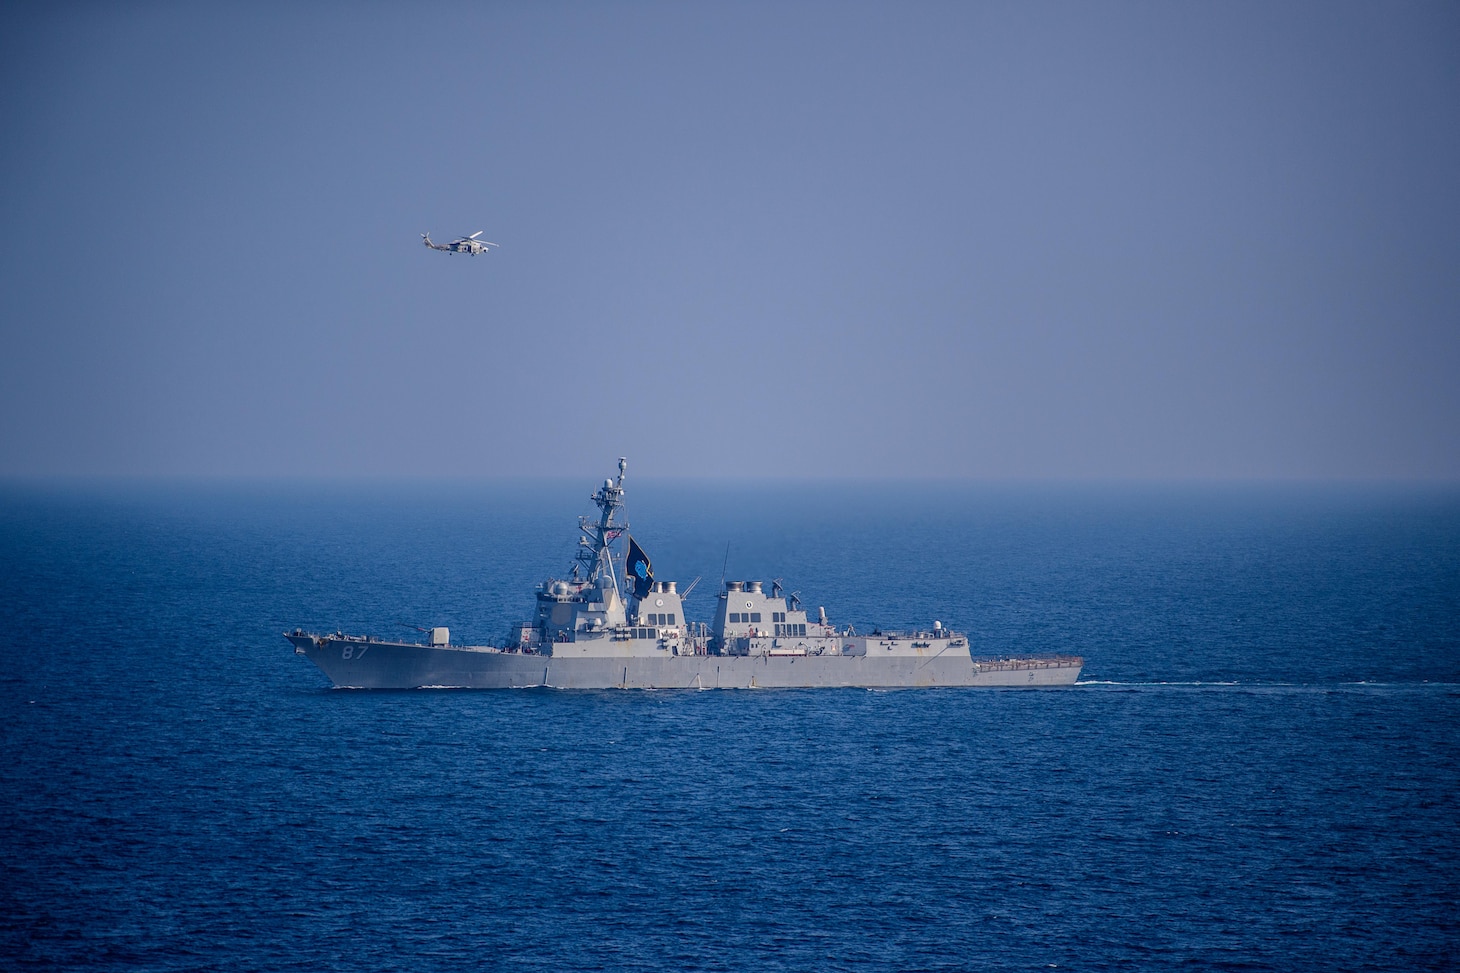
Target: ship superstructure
(596,630)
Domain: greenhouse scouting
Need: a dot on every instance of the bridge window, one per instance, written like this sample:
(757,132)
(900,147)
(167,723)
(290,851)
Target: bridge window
(755,616)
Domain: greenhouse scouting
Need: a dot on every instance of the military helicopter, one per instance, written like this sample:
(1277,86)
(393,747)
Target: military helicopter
(466,244)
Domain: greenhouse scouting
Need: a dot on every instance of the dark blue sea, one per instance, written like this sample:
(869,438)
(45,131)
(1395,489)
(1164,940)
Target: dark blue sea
(1260,769)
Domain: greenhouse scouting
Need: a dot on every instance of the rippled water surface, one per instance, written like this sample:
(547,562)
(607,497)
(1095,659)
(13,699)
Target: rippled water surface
(1260,770)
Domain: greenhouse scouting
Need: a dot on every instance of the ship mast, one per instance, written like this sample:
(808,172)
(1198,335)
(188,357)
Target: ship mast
(593,552)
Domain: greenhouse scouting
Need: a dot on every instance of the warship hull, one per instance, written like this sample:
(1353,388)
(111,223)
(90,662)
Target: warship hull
(356,663)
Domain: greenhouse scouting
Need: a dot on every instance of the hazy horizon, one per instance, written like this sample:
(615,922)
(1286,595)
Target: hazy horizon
(998,242)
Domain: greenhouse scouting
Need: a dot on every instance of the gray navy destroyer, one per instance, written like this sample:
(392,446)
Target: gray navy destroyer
(596,630)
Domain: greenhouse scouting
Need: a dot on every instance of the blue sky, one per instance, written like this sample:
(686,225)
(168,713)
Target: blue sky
(957,240)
